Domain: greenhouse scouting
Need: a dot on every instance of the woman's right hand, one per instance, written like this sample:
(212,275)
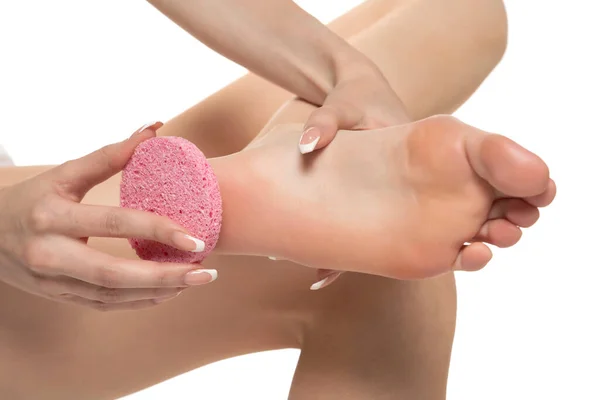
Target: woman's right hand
(44,230)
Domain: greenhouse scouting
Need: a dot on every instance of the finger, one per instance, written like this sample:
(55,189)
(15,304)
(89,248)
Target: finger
(322,126)
(82,174)
(81,220)
(68,257)
(130,306)
(473,257)
(64,287)
(517,211)
(327,277)
(499,232)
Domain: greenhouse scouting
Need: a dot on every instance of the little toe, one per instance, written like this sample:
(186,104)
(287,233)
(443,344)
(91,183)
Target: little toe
(499,232)
(473,257)
(517,211)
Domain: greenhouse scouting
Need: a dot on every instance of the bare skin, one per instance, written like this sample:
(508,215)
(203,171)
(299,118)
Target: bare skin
(400,331)
(434,187)
(481,165)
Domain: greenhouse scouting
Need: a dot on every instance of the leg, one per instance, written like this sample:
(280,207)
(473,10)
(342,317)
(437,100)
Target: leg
(263,307)
(391,342)
(395,342)
(270,302)
(422,47)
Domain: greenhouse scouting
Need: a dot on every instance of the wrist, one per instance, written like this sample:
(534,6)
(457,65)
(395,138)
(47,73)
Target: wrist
(352,64)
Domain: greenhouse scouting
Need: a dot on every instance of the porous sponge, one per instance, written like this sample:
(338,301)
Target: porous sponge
(170,176)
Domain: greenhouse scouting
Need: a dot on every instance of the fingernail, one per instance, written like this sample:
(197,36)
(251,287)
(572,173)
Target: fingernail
(146,126)
(200,277)
(189,243)
(309,140)
(325,281)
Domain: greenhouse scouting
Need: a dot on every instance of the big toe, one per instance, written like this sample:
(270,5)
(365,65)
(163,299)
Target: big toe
(511,169)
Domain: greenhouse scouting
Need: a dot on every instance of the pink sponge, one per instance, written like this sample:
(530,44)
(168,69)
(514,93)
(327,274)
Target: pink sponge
(170,176)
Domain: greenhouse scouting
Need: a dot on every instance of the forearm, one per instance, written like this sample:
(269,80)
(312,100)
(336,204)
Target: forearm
(275,39)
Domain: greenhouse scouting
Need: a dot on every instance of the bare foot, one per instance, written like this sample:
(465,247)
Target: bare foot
(401,202)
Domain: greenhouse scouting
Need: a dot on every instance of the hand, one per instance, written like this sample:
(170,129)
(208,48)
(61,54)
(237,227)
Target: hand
(44,231)
(362,101)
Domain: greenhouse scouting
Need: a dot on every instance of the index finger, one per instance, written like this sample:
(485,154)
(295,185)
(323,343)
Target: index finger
(82,220)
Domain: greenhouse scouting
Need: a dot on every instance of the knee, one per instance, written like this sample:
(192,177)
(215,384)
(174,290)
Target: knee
(487,22)
(493,24)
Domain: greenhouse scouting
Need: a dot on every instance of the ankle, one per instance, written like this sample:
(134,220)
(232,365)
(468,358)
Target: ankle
(243,194)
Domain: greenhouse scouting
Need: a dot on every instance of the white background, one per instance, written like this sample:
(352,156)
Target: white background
(75,75)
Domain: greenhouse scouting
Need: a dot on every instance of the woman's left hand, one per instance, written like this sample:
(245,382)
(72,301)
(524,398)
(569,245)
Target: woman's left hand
(362,101)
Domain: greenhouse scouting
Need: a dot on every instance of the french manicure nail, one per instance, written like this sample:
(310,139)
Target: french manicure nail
(143,128)
(309,140)
(148,125)
(325,281)
(200,277)
(188,242)
(200,245)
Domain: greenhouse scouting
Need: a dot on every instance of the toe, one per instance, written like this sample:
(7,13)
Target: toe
(544,199)
(473,257)
(499,232)
(517,211)
(506,166)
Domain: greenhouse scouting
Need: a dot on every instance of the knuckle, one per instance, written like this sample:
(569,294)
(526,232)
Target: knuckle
(161,277)
(158,275)
(107,155)
(36,256)
(65,167)
(108,278)
(326,115)
(41,217)
(113,224)
(162,229)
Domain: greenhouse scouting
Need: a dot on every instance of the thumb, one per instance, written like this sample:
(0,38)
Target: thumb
(322,126)
(82,174)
